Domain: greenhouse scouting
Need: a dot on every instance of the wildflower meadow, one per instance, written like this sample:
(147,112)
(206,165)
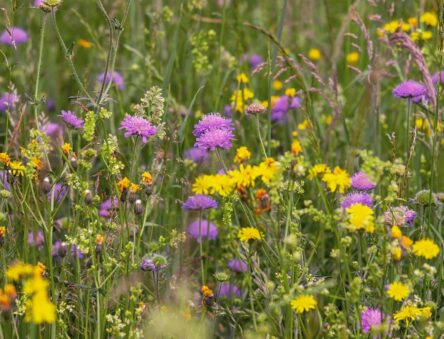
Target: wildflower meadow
(221,169)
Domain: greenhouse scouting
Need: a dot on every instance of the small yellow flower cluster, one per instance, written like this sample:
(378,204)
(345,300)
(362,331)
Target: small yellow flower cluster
(39,308)
(338,180)
(241,96)
(410,313)
(303,303)
(242,154)
(429,19)
(242,177)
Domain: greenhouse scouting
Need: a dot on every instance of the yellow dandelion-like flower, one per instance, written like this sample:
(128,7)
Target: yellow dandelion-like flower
(242,78)
(361,217)
(147,178)
(99,239)
(396,253)
(425,248)
(84,43)
(202,184)
(410,313)
(17,168)
(290,92)
(2,231)
(396,232)
(412,21)
(123,184)
(4,158)
(314,54)
(317,170)
(303,303)
(267,170)
(134,188)
(304,125)
(244,176)
(429,18)
(398,291)
(242,154)
(246,234)
(352,58)
(296,147)
(66,148)
(239,98)
(337,180)
(277,85)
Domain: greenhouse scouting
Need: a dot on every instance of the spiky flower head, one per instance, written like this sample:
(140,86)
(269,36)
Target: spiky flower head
(137,126)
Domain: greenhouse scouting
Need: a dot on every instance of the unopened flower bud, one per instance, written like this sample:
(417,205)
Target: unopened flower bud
(88,197)
(138,208)
(46,185)
(255,108)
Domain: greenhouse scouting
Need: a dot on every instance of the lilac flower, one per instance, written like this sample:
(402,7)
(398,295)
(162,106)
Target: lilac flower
(4,180)
(357,198)
(107,206)
(59,193)
(155,264)
(255,60)
(410,89)
(59,249)
(137,126)
(210,122)
(360,181)
(71,119)
(50,105)
(116,78)
(202,229)
(13,36)
(282,105)
(227,290)
(399,216)
(370,317)
(76,252)
(36,239)
(197,155)
(438,77)
(37,3)
(52,129)
(228,110)
(217,138)
(8,101)
(199,202)
(238,265)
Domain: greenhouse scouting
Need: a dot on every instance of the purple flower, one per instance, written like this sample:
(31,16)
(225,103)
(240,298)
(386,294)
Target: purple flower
(52,129)
(36,239)
(357,198)
(59,249)
(50,105)
(155,264)
(399,216)
(8,101)
(255,60)
(197,155)
(228,110)
(370,317)
(238,265)
(211,122)
(37,3)
(76,252)
(107,206)
(438,77)
(227,290)
(137,126)
(199,202)
(59,192)
(361,182)
(71,119)
(410,89)
(202,229)
(4,180)
(216,138)
(116,78)
(13,36)
(282,105)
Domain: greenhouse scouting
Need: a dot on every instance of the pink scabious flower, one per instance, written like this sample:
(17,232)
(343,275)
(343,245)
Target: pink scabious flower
(202,229)
(399,216)
(14,36)
(8,101)
(215,138)
(137,126)
(410,89)
(370,317)
(361,182)
(282,106)
(107,206)
(438,77)
(37,3)
(71,119)
(228,290)
(52,129)
(212,121)
(238,265)
(116,78)
(36,239)
(199,202)
(197,155)
(357,198)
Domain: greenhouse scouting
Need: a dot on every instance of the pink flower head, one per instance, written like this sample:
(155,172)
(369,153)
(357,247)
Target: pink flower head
(137,126)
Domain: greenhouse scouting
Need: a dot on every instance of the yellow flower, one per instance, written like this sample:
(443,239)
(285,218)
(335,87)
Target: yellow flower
(4,158)
(361,217)
(429,18)
(316,170)
(239,98)
(242,78)
(314,54)
(244,176)
(99,239)
(326,119)
(84,43)
(134,188)
(2,231)
(66,148)
(18,271)
(202,184)
(246,234)
(426,35)
(17,168)
(267,170)
(147,178)
(290,92)
(412,21)
(40,309)
(296,147)
(303,125)
(277,85)
(352,58)
(396,232)
(398,291)
(406,242)
(123,184)
(410,312)
(425,248)
(337,180)
(242,154)
(396,253)
(303,303)
(392,26)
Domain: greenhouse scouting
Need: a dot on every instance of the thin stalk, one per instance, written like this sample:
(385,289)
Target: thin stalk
(39,67)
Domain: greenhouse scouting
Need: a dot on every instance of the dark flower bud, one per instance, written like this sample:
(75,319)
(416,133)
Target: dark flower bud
(46,185)
(98,249)
(88,197)
(63,249)
(73,161)
(132,197)
(138,207)
(124,195)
